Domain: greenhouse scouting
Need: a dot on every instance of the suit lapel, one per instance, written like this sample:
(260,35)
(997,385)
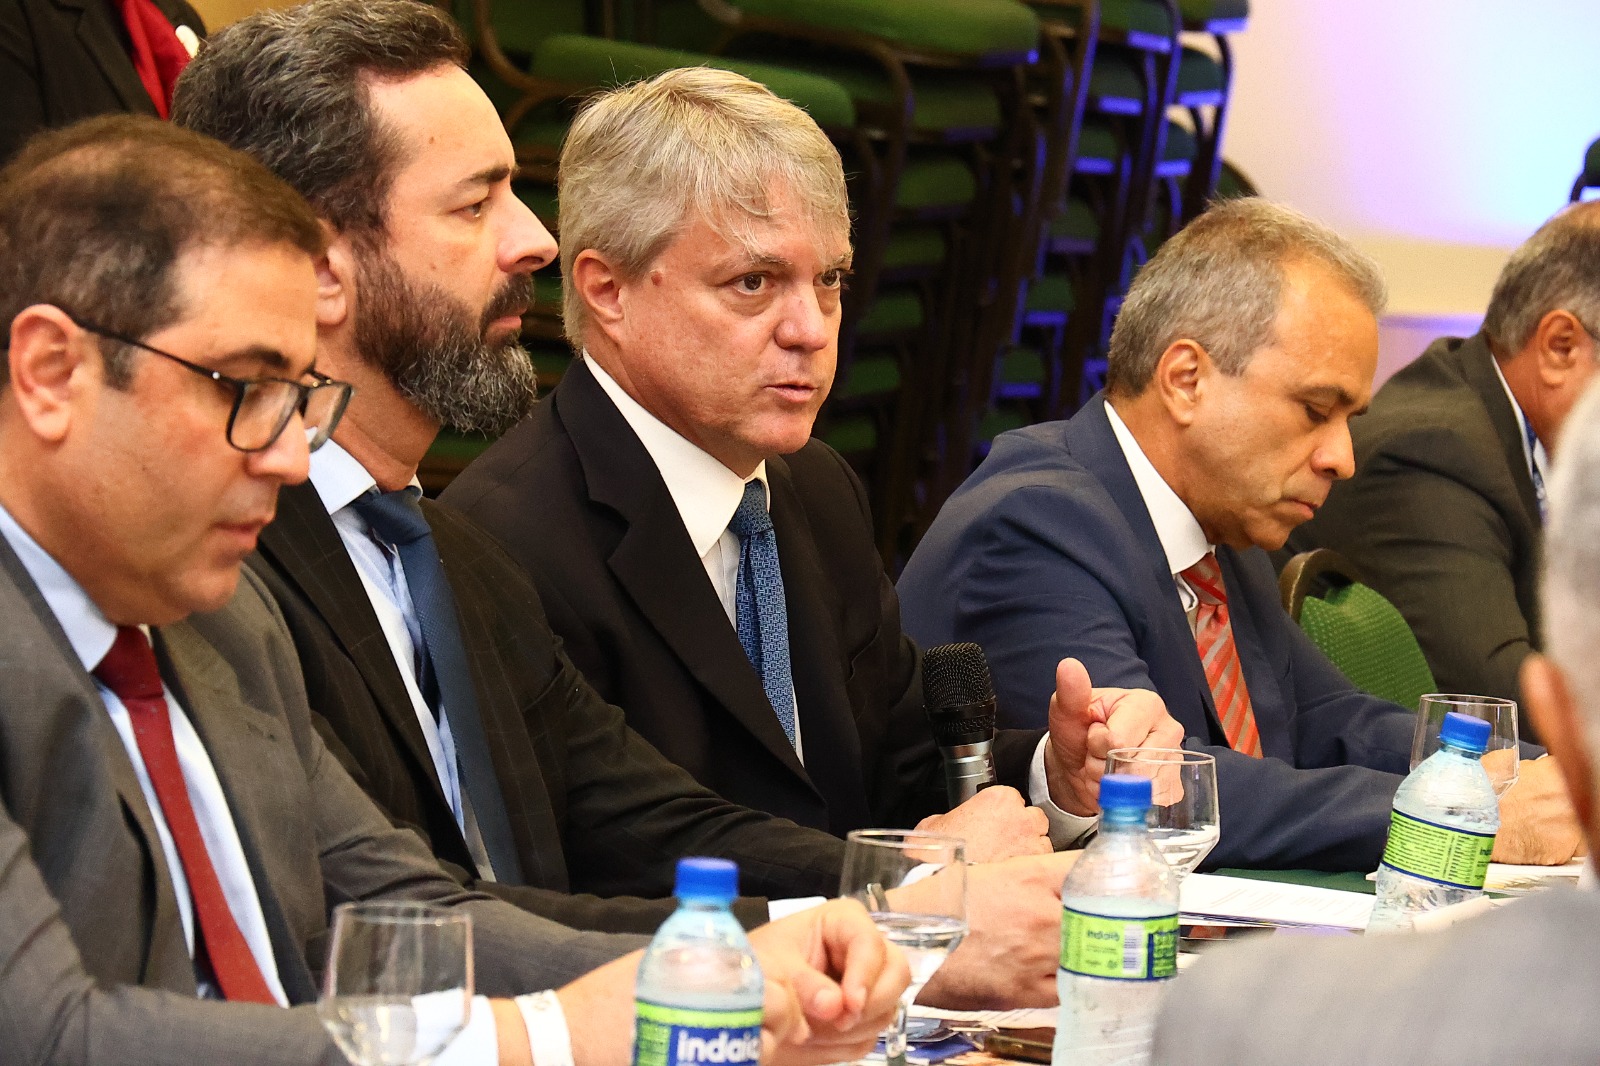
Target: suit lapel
(97,31)
(246,748)
(827,721)
(1091,437)
(1260,679)
(305,545)
(1476,364)
(655,561)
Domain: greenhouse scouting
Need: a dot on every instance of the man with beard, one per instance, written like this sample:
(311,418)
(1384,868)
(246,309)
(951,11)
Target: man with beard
(425,650)
(528,784)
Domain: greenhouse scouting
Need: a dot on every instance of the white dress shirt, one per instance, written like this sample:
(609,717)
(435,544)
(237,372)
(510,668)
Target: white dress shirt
(706,494)
(340,480)
(91,634)
(1537,458)
(1182,539)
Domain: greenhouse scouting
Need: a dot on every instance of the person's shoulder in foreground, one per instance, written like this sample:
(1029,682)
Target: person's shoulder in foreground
(1444,512)
(1516,985)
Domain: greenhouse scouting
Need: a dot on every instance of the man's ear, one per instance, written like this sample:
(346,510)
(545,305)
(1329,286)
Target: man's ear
(1559,722)
(1561,342)
(599,286)
(1180,377)
(336,275)
(51,361)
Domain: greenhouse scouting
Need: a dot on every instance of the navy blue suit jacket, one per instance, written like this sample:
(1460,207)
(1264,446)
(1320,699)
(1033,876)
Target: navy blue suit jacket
(1048,551)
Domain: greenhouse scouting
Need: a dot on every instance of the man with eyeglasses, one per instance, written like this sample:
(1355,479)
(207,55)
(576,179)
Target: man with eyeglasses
(173,831)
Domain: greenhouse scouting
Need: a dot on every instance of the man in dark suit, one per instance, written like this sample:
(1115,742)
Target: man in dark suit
(574,808)
(707,239)
(1443,513)
(1419,998)
(63,60)
(173,833)
(1131,536)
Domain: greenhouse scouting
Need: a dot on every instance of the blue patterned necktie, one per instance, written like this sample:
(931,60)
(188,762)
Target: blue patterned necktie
(1533,467)
(760,611)
(396,517)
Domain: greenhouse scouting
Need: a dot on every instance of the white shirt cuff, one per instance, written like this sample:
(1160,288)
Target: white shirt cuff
(476,1045)
(1066,829)
(782,908)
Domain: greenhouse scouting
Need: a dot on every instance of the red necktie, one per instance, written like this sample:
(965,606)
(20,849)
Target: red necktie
(129,670)
(1213,637)
(158,56)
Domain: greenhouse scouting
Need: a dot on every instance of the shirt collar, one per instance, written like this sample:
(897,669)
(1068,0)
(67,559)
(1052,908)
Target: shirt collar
(339,477)
(1534,456)
(1182,539)
(705,492)
(89,631)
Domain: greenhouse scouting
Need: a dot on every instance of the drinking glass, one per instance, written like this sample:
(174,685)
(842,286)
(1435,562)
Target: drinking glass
(915,886)
(399,982)
(1501,716)
(1183,795)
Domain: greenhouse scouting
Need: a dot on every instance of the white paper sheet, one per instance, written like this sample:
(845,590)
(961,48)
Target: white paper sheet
(1214,897)
(1023,1018)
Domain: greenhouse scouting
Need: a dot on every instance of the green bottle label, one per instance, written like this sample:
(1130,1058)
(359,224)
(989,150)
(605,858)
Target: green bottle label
(1455,857)
(675,1036)
(1124,949)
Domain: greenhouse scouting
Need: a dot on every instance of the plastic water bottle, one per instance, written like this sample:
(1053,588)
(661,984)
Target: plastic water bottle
(1442,830)
(1119,936)
(699,990)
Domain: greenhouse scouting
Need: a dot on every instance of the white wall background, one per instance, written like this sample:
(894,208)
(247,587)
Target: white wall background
(1438,134)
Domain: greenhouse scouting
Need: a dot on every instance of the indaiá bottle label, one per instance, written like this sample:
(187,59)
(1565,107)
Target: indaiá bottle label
(1124,949)
(1455,857)
(675,1036)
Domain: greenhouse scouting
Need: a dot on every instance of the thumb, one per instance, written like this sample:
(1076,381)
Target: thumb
(1071,703)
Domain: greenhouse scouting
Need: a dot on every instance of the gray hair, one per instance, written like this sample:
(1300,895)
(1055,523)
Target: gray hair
(1218,282)
(290,88)
(1557,269)
(1571,600)
(642,161)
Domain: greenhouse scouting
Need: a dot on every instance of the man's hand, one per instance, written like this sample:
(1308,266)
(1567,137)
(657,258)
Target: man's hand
(832,984)
(1537,824)
(997,824)
(1086,723)
(1011,953)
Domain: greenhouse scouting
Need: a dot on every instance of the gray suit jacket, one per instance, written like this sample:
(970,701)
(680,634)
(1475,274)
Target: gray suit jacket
(93,967)
(1516,986)
(1441,516)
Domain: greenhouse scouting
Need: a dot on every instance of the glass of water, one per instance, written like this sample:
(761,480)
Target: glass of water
(1502,718)
(398,987)
(1183,788)
(915,886)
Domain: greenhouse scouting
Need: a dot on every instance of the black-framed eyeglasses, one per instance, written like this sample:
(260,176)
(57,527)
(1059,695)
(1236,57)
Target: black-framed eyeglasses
(262,407)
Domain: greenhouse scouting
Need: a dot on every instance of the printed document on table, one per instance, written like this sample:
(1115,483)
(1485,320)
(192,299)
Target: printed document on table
(1241,900)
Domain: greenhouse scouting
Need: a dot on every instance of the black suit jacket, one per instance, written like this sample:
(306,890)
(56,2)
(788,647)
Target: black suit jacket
(62,60)
(594,809)
(578,501)
(1441,516)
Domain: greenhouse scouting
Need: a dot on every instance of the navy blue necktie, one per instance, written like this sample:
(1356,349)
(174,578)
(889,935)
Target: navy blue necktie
(1533,467)
(760,612)
(397,518)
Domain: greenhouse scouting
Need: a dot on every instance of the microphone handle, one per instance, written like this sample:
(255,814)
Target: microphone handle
(968,768)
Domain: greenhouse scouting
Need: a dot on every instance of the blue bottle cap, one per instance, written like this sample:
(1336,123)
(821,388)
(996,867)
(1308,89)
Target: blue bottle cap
(716,880)
(1465,731)
(1124,791)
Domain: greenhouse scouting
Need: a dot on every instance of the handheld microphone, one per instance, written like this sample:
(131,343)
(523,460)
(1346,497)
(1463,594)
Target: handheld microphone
(960,703)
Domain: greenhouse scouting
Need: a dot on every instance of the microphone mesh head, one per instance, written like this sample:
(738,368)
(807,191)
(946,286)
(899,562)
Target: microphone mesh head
(957,693)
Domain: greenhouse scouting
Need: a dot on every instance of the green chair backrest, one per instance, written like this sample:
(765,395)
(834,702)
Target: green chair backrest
(1368,639)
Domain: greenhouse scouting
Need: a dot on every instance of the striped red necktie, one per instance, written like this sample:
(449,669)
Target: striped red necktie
(1213,636)
(129,670)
